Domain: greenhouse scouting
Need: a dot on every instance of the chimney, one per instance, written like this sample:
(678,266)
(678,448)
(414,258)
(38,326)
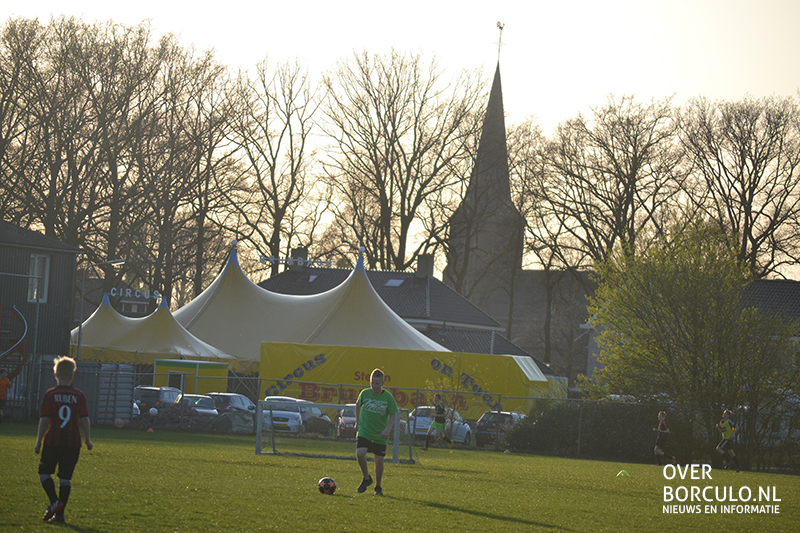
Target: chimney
(424,265)
(299,258)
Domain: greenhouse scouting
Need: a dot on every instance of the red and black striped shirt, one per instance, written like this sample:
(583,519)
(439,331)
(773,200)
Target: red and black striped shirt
(63,406)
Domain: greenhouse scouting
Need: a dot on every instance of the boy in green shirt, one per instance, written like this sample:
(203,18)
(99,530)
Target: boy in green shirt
(376,411)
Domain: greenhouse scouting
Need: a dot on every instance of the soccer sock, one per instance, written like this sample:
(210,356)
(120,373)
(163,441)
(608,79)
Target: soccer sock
(736,461)
(447,440)
(49,487)
(427,440)
(64,488)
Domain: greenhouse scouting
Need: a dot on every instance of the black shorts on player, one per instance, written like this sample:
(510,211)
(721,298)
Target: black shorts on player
(372,447)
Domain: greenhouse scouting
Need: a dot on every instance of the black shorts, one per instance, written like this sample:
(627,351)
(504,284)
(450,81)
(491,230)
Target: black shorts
(65,458)
(2,404)
(372,447)
(725,445)
(661,443)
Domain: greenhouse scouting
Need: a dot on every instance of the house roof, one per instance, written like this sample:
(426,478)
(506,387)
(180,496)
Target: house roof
(777,296)
(13,235)
(417,299)
(481,341)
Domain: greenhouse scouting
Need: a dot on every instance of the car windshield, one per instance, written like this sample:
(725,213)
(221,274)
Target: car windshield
(206,403)
(145,394)
(496,417)
(287,407)
(422,411)
(349,411)
(220,401)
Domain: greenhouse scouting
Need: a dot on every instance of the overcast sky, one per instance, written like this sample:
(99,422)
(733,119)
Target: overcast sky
(558,57)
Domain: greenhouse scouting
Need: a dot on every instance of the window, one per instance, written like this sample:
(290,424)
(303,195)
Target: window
(394,282)
(37,287)
(175,379)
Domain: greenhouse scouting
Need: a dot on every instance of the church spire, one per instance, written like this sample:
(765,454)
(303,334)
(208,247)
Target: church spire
(491,161)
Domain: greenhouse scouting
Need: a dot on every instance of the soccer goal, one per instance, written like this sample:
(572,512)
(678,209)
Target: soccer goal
(280,431)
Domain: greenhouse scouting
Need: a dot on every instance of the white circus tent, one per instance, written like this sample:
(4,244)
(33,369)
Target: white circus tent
(110,337)
(236,315)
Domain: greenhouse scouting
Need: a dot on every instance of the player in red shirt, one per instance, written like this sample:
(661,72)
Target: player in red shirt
(64,413)
(5,384)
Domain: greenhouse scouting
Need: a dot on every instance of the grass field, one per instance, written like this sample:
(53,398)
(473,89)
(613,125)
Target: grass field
(171,481)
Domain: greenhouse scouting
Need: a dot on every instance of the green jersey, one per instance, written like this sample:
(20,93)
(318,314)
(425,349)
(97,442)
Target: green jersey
(727,428)
(374,411)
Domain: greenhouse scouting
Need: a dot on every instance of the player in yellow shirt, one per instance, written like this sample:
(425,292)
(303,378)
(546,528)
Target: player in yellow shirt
(728,428)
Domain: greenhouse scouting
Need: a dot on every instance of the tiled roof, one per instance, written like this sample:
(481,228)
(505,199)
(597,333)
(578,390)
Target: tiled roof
(480,341)
(14,235)
(778,296)
(408,295)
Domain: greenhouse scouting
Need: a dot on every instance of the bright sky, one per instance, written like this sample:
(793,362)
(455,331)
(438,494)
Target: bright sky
(558,57)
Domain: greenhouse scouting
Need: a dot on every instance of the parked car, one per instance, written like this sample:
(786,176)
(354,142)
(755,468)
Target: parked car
(230,401)
(198,402)
(302,417)
(147,397)
(346,421)
(455,426)
(493,424)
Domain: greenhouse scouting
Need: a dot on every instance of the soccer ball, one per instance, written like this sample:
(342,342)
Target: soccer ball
(327,485)
(153,411)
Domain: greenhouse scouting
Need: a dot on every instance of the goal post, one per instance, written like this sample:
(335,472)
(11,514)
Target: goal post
(269,433)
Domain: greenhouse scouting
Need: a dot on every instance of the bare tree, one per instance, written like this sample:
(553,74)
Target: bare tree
(607,182)
(746,156)
(21,42)
(171,164)
(272,127)
(400,137)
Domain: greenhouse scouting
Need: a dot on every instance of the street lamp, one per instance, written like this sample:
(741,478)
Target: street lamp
(114,262)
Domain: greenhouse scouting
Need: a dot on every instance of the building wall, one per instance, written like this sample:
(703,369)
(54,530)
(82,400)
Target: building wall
(51,331)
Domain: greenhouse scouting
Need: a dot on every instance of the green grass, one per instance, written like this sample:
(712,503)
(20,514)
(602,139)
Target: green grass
(170,481)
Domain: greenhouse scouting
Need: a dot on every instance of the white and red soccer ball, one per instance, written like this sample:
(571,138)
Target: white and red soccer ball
(327,485)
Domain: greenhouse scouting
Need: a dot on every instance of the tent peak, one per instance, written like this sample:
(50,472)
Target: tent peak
(105,303)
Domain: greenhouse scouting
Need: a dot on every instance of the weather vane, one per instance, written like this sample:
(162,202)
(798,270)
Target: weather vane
(500,41)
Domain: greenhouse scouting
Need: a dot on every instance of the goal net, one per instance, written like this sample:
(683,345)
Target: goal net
(320,430)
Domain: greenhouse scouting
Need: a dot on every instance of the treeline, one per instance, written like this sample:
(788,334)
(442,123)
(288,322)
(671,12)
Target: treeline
(127,147)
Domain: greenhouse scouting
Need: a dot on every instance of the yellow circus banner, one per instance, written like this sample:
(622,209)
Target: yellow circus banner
(471,383)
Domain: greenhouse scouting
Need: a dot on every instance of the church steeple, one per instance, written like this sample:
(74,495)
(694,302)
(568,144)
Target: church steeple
(486,230)
(491,162)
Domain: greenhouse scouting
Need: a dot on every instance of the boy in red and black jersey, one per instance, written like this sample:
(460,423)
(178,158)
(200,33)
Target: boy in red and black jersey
(64,413)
